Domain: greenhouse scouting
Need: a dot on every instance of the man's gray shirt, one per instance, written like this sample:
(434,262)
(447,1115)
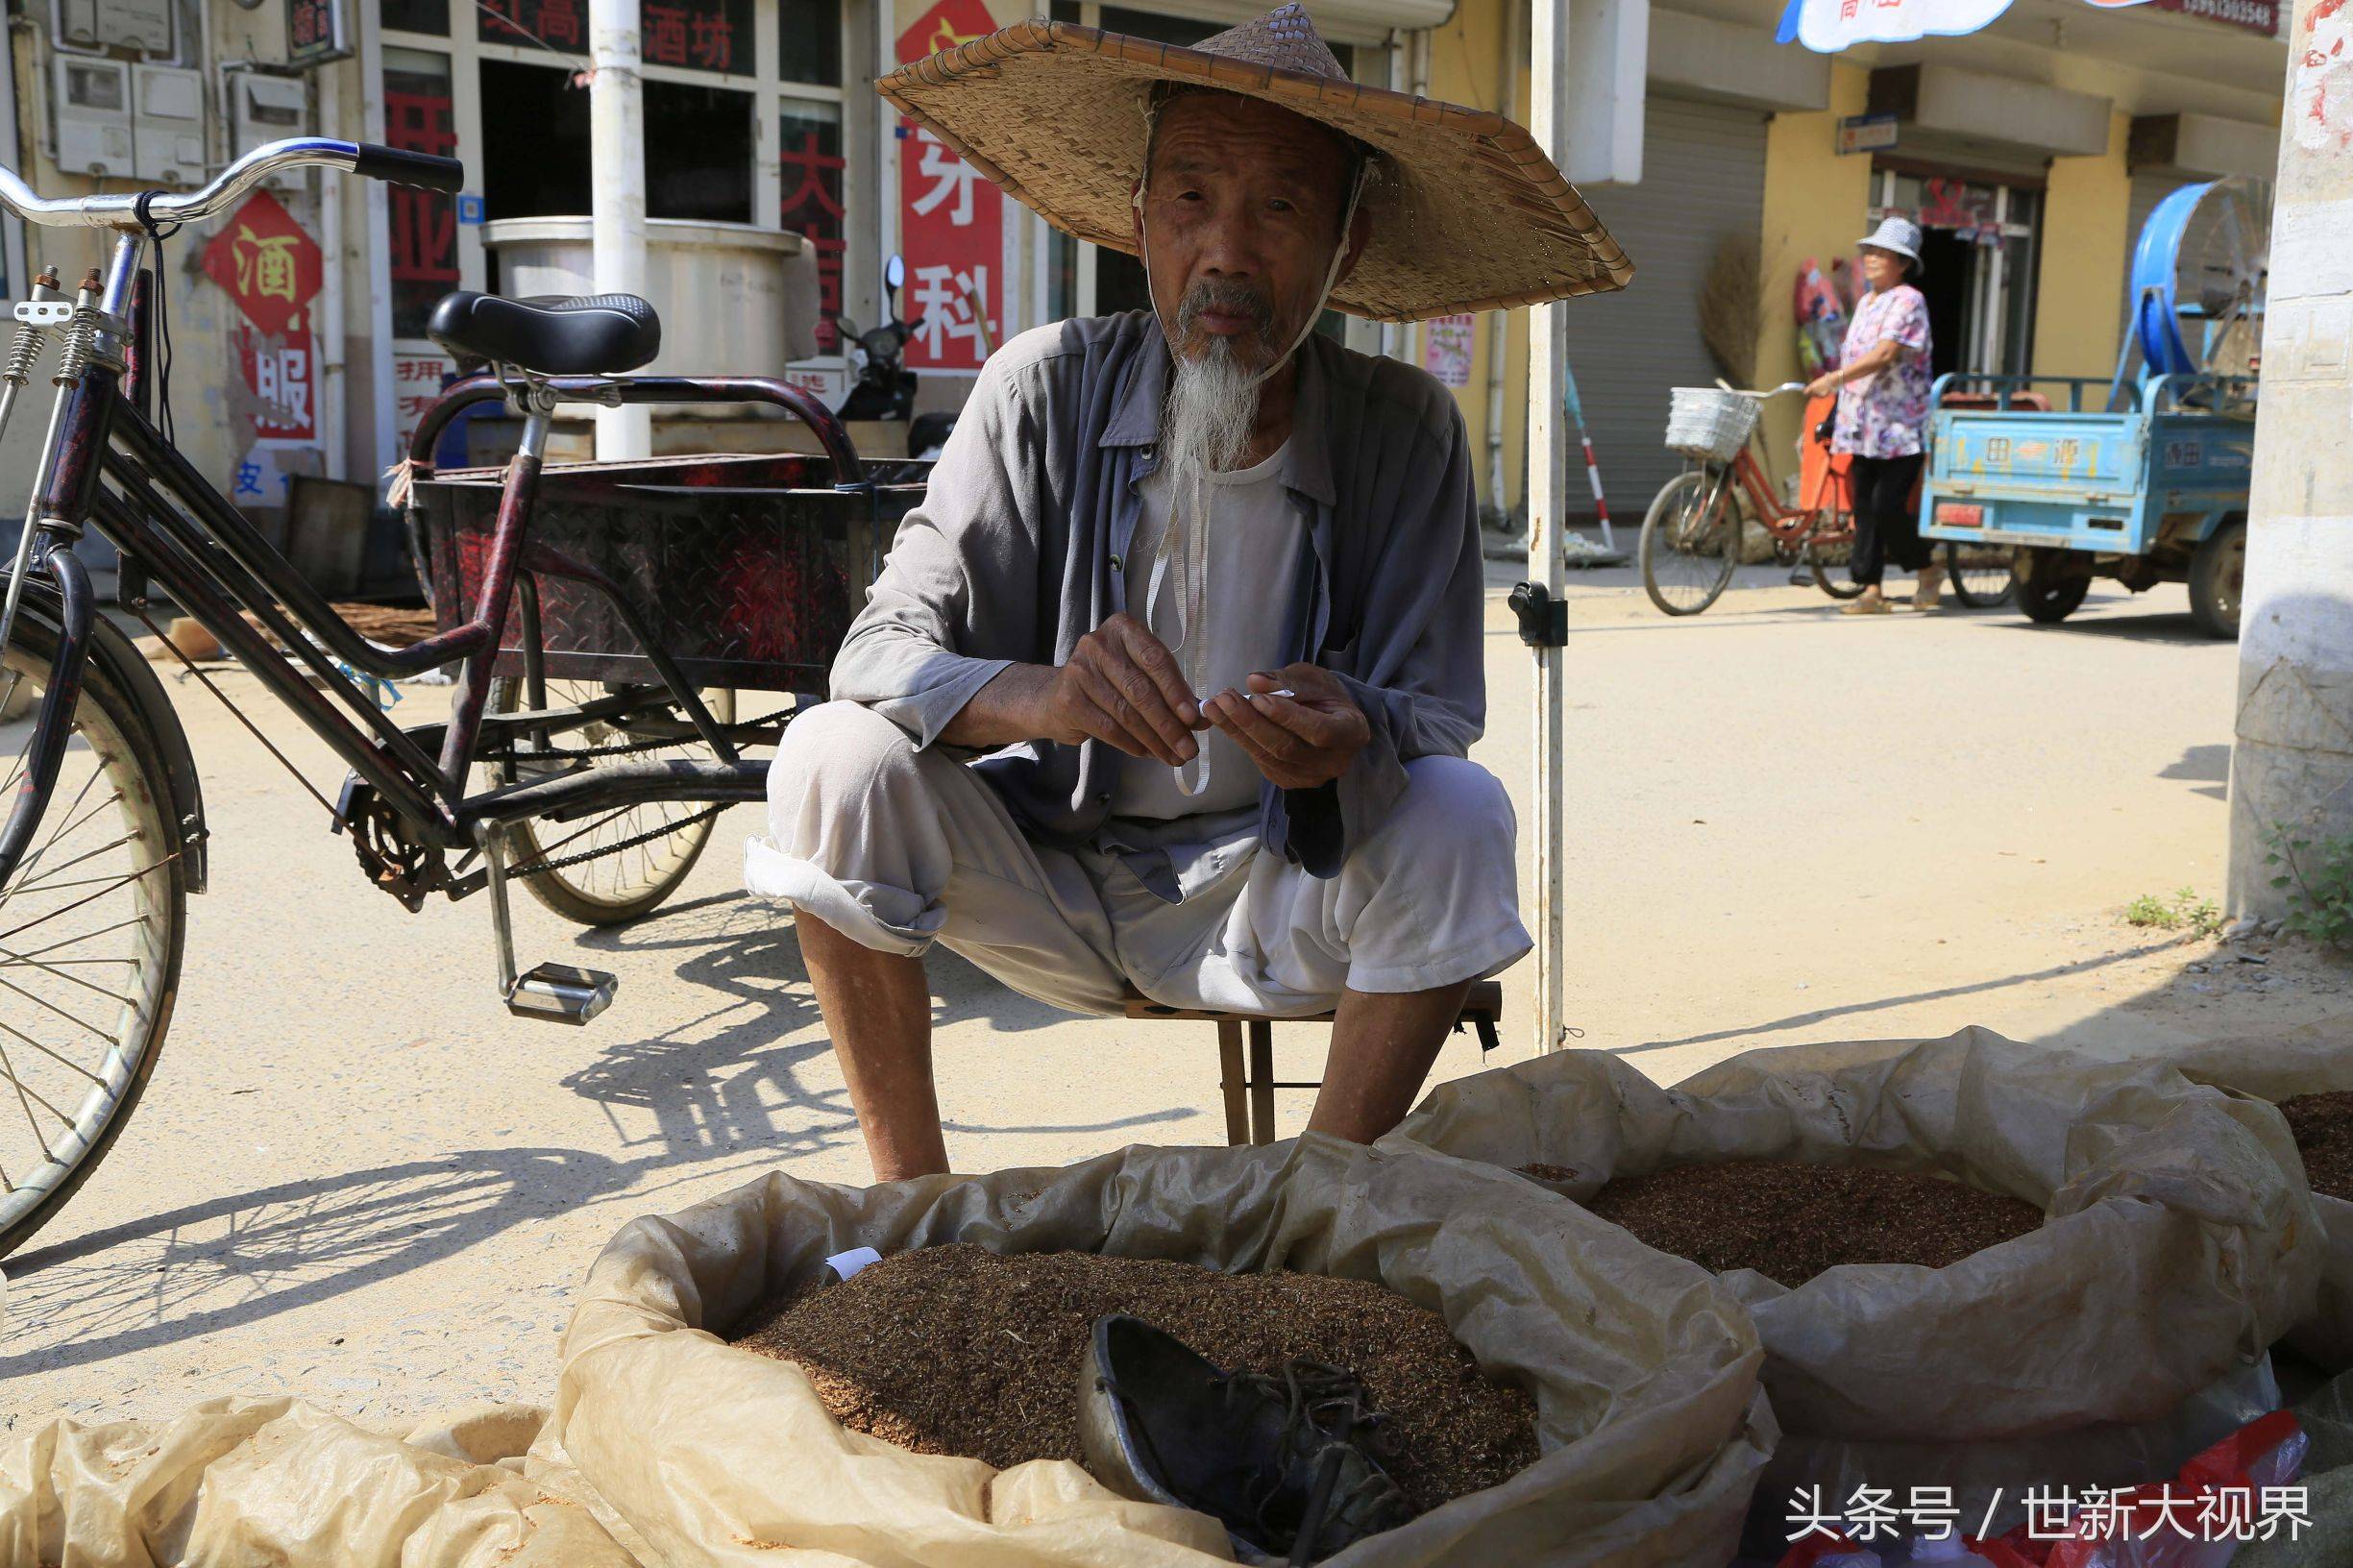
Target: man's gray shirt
(1017,552)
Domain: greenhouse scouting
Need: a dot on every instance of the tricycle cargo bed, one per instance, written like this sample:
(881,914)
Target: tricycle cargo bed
(748,568)
(2108,483)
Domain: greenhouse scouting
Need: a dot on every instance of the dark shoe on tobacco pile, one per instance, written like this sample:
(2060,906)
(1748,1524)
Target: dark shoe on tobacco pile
(1286,1463)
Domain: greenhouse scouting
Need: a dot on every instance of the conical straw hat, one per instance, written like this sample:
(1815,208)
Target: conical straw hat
(1468,213)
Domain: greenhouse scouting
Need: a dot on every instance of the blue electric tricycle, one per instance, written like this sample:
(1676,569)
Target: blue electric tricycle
(2142,477)
(2154,492)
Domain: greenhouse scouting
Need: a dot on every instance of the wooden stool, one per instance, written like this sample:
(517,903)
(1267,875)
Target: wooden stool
(1250,1097)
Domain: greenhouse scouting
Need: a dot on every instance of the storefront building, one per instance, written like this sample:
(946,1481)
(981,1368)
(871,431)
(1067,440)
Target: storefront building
(2029,152)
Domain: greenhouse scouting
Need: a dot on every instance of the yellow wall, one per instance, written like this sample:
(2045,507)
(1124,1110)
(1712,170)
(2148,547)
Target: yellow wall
(2079,309)
(1814,205)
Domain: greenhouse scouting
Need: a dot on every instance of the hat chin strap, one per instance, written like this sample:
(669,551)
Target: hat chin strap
(1191,554)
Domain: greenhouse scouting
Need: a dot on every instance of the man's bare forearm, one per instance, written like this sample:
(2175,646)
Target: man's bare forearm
(1007,711)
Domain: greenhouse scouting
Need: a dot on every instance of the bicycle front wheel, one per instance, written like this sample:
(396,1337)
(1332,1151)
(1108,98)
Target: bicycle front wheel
(1690,542)
(616,866)
(91,927)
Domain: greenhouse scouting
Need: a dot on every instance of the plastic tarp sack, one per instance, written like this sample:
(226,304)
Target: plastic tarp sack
(271,1481)
(2110,1345)
(1650,1424)
(2310,1059)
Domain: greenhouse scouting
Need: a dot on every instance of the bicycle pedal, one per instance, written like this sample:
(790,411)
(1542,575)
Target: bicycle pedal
(561,994)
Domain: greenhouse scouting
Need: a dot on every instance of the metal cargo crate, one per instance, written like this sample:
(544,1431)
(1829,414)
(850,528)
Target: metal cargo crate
(749,568)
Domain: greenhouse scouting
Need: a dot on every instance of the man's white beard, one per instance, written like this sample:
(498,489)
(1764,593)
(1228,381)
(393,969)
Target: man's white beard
(1212,407)
(1206,425)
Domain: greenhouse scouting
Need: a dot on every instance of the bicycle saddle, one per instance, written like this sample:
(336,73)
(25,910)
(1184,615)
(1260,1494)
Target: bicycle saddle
(587,334)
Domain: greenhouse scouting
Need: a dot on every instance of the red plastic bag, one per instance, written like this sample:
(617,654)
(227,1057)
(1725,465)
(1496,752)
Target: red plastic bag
(2202,1516)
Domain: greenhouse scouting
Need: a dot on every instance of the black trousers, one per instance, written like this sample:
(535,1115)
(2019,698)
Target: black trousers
(1886,528)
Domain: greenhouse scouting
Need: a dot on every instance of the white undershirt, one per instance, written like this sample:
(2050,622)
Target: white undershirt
(1255,556)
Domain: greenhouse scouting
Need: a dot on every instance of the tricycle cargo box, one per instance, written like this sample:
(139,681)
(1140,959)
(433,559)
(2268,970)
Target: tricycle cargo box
(747,569)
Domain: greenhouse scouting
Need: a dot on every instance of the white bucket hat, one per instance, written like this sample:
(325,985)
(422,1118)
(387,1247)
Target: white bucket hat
(1901,235)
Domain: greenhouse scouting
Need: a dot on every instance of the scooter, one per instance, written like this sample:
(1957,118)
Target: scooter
(883,387)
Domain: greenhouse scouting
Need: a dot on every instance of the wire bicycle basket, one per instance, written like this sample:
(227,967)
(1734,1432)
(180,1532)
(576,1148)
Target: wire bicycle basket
(1709,424)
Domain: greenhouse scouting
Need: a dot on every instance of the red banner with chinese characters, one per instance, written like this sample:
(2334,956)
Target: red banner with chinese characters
(951,219)
(282,375)
(268,262)
(811,163)
(419,117)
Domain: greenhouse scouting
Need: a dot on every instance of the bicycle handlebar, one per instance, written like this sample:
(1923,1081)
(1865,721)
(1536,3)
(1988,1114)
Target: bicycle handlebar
(121,211)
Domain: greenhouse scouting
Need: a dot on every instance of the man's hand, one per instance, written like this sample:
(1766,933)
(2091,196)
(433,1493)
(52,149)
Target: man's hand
(1122,687)
(1298,742)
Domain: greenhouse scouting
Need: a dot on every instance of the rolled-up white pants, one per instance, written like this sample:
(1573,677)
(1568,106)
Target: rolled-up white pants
(897,849)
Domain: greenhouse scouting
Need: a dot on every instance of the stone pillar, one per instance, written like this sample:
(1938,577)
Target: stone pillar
(2292,765)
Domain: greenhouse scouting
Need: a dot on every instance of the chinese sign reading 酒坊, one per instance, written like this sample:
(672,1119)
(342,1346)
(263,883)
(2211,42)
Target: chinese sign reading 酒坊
(698,34)
(951,218)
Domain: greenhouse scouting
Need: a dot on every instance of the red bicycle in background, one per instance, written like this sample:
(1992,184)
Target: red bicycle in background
(1692,536)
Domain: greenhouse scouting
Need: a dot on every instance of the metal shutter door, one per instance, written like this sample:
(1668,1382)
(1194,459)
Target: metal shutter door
(1703,177)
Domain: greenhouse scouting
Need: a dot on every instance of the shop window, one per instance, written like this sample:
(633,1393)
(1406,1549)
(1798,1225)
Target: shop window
(418,118)
(809,152)
(697,153)
(809,40)
(535,142)
(414,16)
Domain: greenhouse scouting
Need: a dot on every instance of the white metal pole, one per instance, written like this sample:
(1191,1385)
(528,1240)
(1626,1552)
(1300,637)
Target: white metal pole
(1546,502)
(617,203)
(384,434)
(326,322)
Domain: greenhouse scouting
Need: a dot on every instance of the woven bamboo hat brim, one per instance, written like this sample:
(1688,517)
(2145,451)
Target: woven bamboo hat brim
(1467,212)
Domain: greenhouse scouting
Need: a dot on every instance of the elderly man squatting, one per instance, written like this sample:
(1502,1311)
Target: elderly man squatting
(1201,591)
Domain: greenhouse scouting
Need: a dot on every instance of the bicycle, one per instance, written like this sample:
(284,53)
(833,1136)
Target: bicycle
(1691,536)
(585,704)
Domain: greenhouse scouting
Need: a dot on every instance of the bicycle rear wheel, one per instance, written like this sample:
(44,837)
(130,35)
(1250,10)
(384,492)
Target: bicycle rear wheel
(1981,574)
(91,929)
(616,866)
(1690,541)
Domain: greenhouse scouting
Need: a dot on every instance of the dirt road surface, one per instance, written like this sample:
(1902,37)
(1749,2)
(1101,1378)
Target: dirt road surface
(358,1179)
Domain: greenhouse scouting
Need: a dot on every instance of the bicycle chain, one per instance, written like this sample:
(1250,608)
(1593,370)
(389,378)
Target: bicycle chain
(545,866)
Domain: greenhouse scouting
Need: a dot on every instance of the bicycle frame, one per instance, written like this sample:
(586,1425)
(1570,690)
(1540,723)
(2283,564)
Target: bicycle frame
(1798,523)
(110,468)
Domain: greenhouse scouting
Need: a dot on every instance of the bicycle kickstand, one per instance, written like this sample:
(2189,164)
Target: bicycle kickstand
(558,992)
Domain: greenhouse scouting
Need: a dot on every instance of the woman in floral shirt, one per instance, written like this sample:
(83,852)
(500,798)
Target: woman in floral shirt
(1883,387)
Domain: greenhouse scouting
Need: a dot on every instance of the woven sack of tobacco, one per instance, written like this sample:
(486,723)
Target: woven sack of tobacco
(2308,1071)
(737,1399)
(1972,1261)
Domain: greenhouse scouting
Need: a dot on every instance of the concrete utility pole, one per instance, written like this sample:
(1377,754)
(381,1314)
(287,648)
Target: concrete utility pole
(617,185)
(2292,765)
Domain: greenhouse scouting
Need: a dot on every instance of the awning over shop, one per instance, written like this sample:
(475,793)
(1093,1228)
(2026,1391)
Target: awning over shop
(2202,147)
(1970,115)
(1726,62)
